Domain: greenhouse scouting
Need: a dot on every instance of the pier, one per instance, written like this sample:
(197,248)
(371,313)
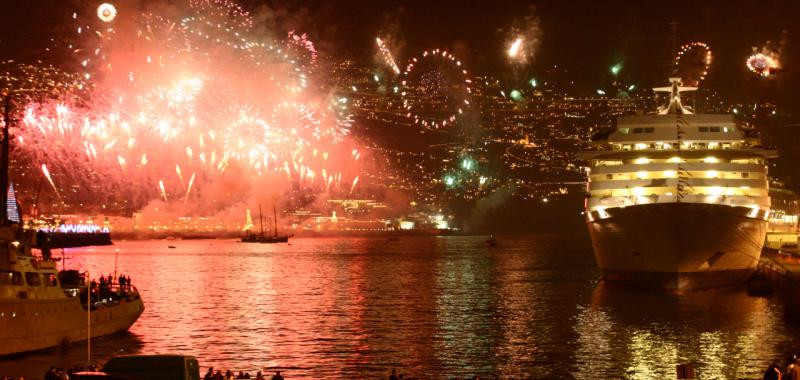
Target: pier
(782,273)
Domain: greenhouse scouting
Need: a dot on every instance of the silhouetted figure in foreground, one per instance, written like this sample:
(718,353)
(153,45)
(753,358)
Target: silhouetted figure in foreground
(277,376)
(773,372)
(51,374)
(793,369)
(210,374)
(393,376)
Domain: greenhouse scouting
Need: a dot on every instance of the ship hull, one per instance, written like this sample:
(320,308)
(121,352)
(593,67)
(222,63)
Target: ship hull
(30,325)
(677,246)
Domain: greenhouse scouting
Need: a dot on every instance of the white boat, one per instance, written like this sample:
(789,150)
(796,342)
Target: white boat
(676,199)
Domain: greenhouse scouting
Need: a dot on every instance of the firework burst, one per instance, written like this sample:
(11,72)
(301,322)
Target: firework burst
(192,92)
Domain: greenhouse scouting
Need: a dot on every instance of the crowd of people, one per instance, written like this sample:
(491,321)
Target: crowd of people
(63,374)
(790,371)
(229,375)
(106,288)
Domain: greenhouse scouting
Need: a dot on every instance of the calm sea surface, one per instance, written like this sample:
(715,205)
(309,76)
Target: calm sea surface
(432,307)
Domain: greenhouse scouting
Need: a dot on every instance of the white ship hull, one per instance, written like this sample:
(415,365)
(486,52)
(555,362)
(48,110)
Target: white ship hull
(678,245)
(35,324)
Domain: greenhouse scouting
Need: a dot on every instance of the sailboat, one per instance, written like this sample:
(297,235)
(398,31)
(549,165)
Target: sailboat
(275,238)
(262,238)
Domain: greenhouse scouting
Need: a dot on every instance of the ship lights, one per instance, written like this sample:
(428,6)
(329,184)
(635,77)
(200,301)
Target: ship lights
(638,191)
(674,160)
(716,190)
(641,174)
(712,174)
(640,146)
(642,160)
(670,173)
(711,160)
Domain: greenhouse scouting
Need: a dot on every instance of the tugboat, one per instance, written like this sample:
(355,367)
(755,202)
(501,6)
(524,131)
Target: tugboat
(41,307)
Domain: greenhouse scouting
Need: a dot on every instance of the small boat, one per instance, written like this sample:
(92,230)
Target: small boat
(170,246)
(788,249)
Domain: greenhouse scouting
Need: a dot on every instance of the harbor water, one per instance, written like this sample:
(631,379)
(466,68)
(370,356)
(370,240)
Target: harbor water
(431,307)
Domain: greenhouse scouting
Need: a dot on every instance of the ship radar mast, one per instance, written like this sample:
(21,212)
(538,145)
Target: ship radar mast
(675,106)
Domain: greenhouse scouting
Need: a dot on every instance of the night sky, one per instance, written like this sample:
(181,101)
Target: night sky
(583,37)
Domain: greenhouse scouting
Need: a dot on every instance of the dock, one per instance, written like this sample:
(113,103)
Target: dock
(782,272)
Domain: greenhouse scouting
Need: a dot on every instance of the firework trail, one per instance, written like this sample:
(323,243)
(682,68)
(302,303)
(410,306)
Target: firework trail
(387,55)
(522,39)
(50,179)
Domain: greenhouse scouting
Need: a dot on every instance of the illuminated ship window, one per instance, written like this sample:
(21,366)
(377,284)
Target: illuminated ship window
(10,278)
(713,129)
(33,279)
(702,129)
(727,129)
(624,131)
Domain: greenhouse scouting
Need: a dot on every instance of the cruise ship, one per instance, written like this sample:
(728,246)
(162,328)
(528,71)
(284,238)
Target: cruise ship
(677,199)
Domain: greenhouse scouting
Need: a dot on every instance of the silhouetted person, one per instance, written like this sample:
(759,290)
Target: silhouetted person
(51,373)
(773,372)
(218,375)
(793,369)
(277,376)
(210,374)
(259,376)
(393,376)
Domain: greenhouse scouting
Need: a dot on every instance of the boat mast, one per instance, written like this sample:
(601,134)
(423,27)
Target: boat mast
(261,219)
(275,220)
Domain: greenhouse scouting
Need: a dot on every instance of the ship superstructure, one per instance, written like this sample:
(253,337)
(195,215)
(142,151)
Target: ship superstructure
(677,199)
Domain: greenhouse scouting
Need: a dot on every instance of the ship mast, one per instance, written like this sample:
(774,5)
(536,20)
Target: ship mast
(261,219)
(275,220)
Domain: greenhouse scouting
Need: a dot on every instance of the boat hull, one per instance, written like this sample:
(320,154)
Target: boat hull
(677,245)
(30,325)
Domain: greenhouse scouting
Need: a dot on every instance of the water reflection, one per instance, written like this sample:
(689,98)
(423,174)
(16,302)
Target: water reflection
(432,307)
(724,332)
